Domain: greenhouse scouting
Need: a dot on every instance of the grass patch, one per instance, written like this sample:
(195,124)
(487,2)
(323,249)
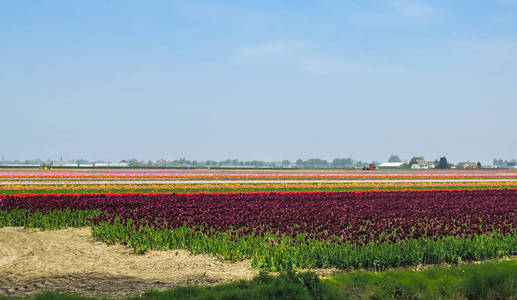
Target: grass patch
(489,280)
(289,285)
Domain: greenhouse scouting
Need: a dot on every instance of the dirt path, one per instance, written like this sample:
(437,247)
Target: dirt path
(71,261)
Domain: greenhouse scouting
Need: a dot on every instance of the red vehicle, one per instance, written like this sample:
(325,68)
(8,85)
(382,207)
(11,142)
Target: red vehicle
(369,167)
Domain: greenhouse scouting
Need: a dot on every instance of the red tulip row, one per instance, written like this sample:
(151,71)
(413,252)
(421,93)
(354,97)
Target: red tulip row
(357,217)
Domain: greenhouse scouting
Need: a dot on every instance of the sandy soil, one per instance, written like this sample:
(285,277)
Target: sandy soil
(71,261)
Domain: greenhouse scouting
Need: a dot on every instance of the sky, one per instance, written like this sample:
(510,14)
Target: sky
(258,80)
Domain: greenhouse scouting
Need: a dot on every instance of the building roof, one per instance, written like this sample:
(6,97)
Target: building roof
(467,164)
(471,163)
(421,162)
(392,164)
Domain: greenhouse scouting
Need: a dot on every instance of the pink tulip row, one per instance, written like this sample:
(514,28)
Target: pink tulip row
(6,175)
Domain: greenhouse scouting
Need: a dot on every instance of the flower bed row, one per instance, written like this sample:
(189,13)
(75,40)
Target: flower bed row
(242,188)
(300,229)
(211,175)
(338,216)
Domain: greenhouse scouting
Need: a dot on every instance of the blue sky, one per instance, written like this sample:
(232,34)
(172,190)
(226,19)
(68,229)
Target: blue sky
(265,80)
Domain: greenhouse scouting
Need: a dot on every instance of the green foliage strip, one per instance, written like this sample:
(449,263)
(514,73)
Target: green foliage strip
(273,252)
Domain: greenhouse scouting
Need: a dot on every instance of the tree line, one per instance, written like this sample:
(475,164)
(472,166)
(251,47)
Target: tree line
(299,163)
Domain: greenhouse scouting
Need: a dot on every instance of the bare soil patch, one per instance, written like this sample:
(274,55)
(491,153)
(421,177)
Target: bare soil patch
(71,261)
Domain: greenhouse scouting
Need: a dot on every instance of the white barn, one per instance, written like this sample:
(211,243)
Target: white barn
(394,165)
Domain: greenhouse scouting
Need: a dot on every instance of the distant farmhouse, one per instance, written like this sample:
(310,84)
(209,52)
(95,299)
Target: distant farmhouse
(420,164)
(394,165)
(467,165)
(111,164)
(512,164)
(118,164)
(85,165)
(19,165)
(95,164)
(64,164)
(432,165)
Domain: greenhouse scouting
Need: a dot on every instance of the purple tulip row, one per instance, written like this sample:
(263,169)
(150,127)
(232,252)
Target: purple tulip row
(338,216)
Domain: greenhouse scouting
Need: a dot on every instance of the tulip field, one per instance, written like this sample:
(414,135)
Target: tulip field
(27,181)
(279,219)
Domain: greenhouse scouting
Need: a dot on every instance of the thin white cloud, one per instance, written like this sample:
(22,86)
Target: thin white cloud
(303,56)
(508,2)
(414,9)
(269,49)
(318,65)
(329,66)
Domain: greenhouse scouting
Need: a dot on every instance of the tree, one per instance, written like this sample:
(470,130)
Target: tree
(133,163)
(315,163)
(285,163)
(225,162)
(443,164)
(479,165)
(342,162)
(499,162)
(299,163)
(394,158)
